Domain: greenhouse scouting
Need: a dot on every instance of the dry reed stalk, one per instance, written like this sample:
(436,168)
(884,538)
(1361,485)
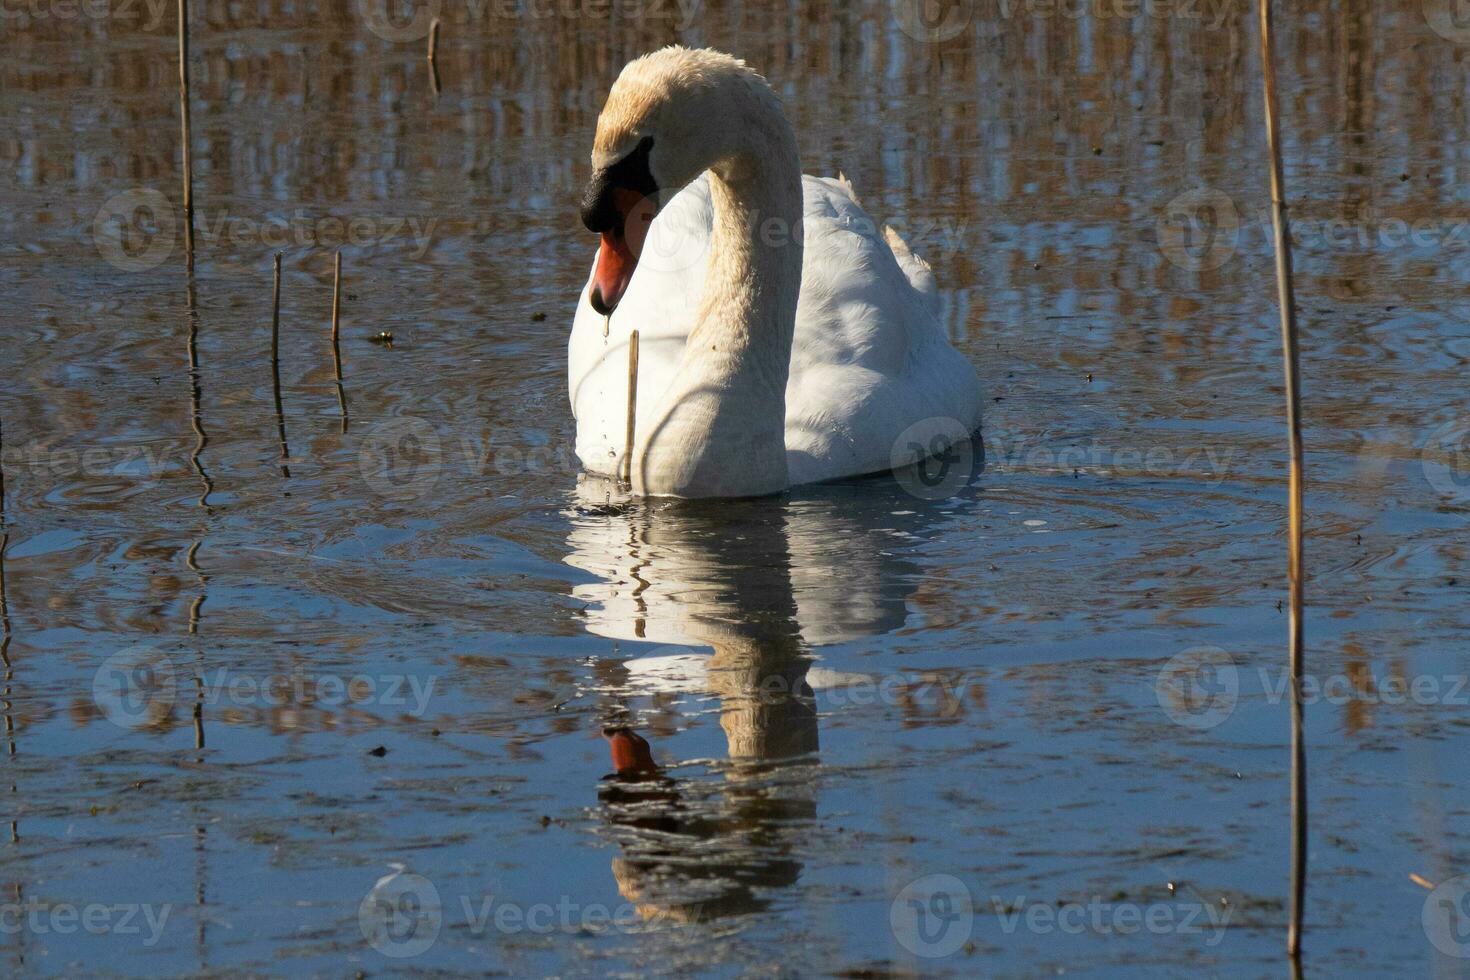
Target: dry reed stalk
(184,124)
(632,406)
(336,348)
(1291,359)
(276,367)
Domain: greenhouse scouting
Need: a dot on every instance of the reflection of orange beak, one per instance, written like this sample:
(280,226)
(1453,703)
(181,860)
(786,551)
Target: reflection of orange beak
(630,751)
(618,255)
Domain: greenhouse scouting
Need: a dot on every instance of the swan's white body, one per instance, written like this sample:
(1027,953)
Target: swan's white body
(868,358)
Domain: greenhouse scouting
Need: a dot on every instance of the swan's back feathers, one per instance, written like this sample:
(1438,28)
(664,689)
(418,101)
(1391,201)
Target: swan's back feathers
(918,272)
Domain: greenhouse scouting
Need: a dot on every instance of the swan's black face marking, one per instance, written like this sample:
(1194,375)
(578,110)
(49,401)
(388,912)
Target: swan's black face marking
(600,211)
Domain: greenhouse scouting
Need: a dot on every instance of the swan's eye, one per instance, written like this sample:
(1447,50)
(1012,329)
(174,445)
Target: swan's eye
(605,204)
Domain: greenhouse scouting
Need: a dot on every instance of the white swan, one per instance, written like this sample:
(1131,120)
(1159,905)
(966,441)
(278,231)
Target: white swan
(784,339)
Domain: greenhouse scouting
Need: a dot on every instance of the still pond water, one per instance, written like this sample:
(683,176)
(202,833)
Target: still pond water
(290,691)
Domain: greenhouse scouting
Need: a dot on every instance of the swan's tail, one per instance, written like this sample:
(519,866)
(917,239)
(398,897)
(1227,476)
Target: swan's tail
(915,269)
(920,276)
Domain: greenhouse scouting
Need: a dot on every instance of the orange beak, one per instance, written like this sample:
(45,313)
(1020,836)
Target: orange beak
(615,264)
(617,257)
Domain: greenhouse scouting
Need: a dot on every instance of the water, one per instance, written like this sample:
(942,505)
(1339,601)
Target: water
(403,653)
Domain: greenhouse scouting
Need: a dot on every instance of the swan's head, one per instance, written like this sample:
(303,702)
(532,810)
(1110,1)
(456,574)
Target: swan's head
(670,116)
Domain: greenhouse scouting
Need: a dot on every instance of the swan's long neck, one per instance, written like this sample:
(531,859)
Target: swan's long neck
(721,428)
(754,275)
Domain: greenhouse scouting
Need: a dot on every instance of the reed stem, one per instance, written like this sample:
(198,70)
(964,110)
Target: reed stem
(632,407)
(1291,359)
(336,348)
(184,123)
(434,54)
(276,367)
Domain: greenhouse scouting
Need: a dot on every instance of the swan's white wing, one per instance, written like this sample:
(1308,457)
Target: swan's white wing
(870,358)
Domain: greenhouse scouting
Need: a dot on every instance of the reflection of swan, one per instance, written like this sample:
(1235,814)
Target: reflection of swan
(788,339)
(819,563)
(760,582)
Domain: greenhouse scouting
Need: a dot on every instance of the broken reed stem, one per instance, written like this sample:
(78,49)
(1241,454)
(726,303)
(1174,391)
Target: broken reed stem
(336,349)
(632,407)
(433,54)
(184,122)
(1286,301)
(2,474)
(276,366)
(336,299)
